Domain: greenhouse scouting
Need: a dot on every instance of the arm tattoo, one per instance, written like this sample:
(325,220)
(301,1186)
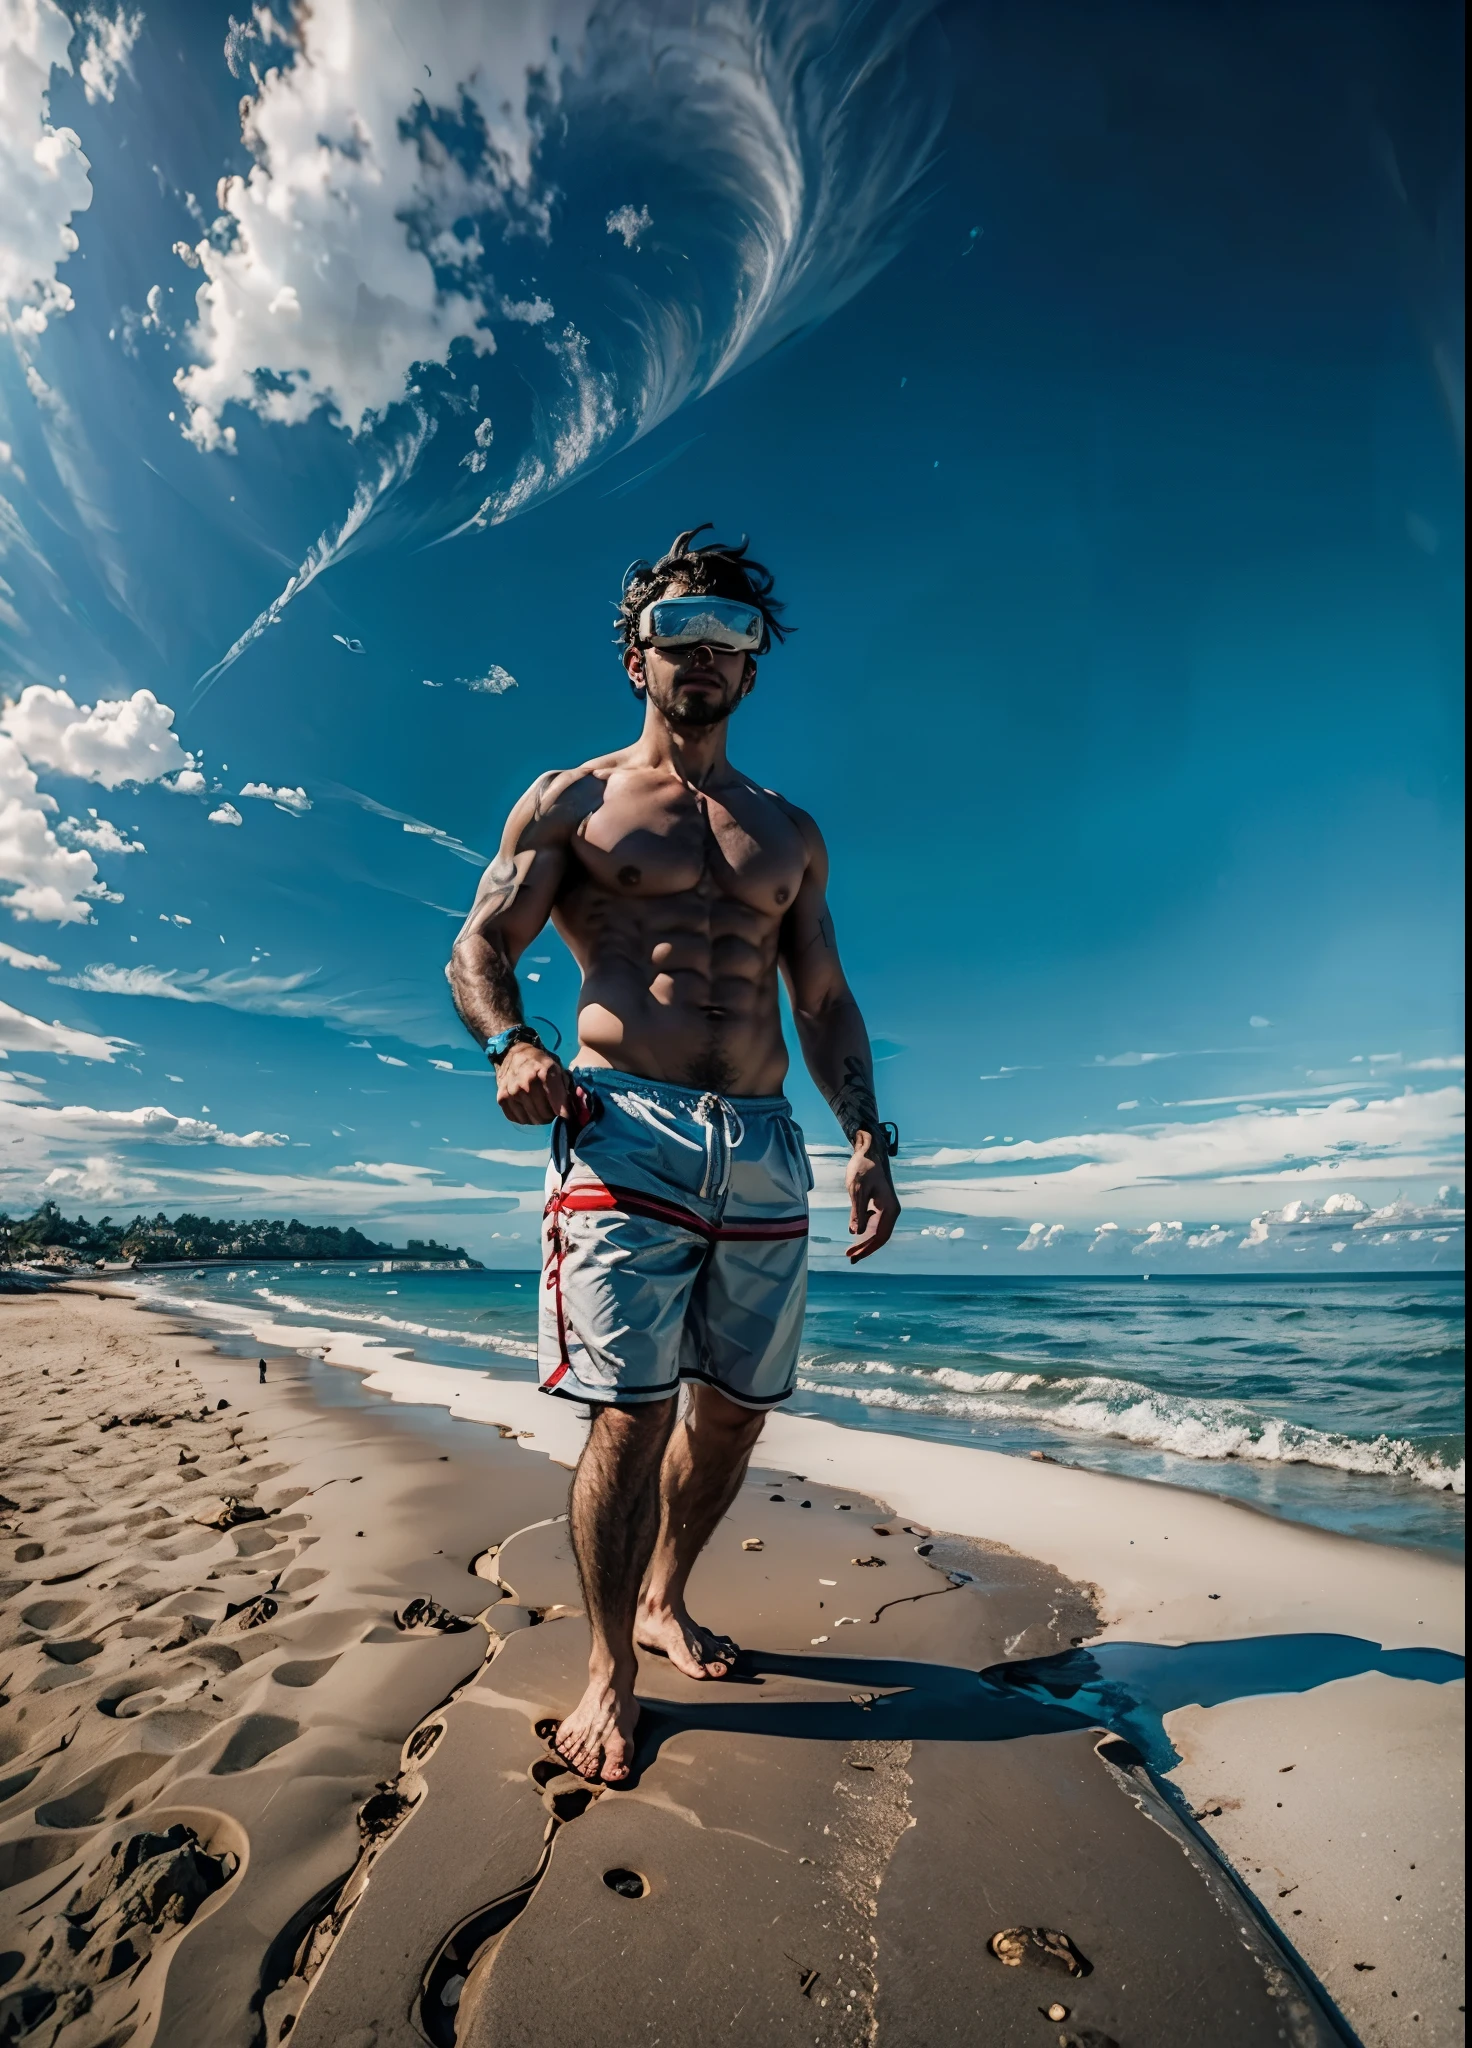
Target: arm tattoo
(822,938)
(502,894)
(852,1102)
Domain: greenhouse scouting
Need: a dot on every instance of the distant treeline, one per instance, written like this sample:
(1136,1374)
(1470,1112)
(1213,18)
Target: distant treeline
(199,1237)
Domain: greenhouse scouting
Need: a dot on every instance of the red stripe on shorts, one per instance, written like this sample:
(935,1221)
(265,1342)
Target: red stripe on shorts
(590,1196)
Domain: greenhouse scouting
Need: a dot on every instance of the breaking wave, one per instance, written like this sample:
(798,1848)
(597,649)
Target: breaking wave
(1101,1406)
(482,1340)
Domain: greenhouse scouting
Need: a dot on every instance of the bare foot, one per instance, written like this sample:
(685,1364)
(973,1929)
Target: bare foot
(597,1738)
(698,1652)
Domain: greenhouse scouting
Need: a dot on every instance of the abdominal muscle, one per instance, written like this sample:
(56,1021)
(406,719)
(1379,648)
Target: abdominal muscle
(679,988)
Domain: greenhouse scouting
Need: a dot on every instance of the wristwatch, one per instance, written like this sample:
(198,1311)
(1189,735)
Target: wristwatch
(519,1034)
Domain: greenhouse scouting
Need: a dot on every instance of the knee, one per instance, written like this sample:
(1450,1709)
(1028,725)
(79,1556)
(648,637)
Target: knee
(711,1414)
(646,1424)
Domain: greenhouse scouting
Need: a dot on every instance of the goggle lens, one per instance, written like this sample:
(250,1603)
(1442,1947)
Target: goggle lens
(702,622)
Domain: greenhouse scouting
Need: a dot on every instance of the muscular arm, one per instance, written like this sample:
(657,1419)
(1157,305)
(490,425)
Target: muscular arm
(835,1048)
(512,904)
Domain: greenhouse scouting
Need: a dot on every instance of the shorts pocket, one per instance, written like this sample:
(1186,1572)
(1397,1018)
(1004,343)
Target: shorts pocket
(801,1161)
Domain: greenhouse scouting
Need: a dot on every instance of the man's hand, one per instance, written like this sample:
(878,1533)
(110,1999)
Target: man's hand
(532,1085)
(874,1207)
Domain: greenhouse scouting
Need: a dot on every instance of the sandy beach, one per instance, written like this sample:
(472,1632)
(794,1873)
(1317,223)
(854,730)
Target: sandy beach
(279,1659)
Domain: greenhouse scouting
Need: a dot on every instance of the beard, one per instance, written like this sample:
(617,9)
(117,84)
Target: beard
(697,712)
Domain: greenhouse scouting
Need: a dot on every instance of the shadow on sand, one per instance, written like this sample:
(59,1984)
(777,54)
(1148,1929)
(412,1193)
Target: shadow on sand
(1124,1687)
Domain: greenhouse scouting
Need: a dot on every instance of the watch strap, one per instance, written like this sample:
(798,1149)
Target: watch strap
(519,1034)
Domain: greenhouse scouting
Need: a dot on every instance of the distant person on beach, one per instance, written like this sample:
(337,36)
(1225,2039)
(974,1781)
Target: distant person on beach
(674,1237)
(262,1364)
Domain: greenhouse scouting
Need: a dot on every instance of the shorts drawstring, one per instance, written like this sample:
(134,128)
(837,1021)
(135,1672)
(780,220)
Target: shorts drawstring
(724,1132)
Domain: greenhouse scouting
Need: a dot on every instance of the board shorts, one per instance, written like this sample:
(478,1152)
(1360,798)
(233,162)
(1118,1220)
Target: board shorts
(674,1245)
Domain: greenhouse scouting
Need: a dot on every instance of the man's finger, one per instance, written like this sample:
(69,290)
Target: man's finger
(883,1215)
(867,1243)
(558,1094)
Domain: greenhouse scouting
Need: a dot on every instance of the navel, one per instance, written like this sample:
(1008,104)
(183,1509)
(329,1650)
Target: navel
(629,877)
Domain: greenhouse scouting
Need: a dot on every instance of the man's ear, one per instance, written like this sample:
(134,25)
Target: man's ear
(748,679)
(634,669)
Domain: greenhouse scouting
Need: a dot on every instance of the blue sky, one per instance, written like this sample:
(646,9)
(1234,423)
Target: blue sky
(1096,399)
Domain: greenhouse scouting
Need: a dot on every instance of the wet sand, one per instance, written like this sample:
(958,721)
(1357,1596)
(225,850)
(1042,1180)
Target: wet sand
(250,1792)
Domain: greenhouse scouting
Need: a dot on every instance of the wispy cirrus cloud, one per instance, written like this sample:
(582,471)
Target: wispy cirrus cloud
(407,822)
(23,1117)
(366,1187)
(261,995)
(1348,1139)
(20,1032)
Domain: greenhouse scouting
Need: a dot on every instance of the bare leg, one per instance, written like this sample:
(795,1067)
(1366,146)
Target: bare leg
(613,1514)
(704,1465)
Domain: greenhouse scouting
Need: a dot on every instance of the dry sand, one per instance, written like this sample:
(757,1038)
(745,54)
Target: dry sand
(240,1803)
(1342,1807)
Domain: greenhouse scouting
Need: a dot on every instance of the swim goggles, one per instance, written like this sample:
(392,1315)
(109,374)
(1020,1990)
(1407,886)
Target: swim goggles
(702,622)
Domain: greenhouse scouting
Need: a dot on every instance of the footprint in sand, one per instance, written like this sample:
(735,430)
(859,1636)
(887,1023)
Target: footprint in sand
(86,1800)
(255,1738)
(303,1671)
(71,1653)
(9,1787)
(22,1860)
(45,1615)
(176,1728)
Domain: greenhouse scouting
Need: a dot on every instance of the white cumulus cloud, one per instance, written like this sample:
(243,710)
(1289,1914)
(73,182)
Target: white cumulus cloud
(226,815)
(126,739)
(101,1180)
(107,49)
(628,224)
(47,881)
(43,173)
(100,834)
(494,683)
(344,267)
(285,798)
(14,957)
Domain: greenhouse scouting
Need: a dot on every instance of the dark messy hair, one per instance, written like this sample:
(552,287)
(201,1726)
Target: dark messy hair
(718,569)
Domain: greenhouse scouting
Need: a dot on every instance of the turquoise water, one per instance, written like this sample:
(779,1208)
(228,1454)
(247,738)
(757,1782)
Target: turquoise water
(1337,1403)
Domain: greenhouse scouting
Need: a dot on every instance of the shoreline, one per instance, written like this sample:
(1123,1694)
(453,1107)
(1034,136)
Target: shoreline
(1412,1595)
(1404,1490)
(1284,1582)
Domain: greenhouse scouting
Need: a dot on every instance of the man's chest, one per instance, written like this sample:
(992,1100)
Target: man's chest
(655,842)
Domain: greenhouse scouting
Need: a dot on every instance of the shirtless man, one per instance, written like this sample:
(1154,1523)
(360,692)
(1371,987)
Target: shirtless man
(674,1242)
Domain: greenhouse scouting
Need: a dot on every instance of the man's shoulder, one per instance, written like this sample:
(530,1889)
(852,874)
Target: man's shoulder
(569,792)
(805,822)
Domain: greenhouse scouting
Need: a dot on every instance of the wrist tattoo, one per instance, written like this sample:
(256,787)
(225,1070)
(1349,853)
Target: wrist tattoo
(853,1101)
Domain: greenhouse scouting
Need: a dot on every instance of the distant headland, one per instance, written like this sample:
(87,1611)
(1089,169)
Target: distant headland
(47,1238)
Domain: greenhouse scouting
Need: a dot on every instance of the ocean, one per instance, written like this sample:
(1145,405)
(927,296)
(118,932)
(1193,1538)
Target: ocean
(1331,1402)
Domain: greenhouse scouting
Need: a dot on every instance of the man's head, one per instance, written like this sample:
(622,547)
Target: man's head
(696,682)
